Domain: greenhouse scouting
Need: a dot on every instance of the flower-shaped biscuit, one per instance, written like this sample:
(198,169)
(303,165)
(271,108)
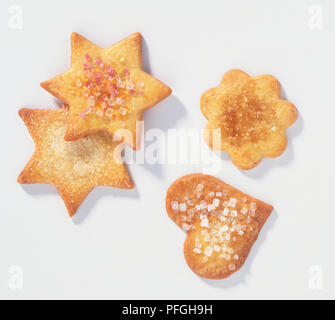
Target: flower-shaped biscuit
(247,118)
(106,89)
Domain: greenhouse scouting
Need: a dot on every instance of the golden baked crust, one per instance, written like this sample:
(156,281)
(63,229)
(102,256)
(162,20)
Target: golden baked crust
(221,222)
(247,118)
(75,167)
(106,89)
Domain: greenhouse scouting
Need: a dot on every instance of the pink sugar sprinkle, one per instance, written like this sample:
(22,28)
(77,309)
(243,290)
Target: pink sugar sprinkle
(109,68)
(83,115)
(88,58)
(99,62)
(111,71)
(114,93)
(126,71)
(141,93)
(132,91)
(87,66)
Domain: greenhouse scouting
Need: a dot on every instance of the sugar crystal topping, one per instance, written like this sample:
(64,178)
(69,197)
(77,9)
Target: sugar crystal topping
(246,118)
(219,221)
(78,163)
(106,89)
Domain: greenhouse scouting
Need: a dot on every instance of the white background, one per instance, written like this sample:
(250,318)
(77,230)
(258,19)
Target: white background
(121,244)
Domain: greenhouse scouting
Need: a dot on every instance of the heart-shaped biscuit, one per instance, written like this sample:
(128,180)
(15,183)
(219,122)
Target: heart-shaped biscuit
(221,222)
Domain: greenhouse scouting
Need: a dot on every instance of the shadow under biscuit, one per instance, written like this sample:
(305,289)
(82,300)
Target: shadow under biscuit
(89,202)
(39,189)
(162,117)
(145,56)
(287,156)
(96,194)
(240,276)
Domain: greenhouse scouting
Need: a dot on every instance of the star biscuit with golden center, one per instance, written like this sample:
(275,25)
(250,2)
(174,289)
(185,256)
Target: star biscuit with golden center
(73,167)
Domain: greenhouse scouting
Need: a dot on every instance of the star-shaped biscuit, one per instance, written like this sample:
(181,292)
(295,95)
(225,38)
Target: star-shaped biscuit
(247,118)
(221,223)
(73,167)
(106,89)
